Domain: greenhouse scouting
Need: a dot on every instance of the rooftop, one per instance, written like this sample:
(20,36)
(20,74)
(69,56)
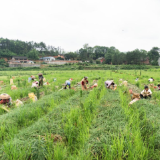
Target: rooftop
(46,57)
(20,57)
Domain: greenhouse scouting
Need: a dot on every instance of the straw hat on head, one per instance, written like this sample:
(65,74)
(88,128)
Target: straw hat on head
(40,74)
(4,96)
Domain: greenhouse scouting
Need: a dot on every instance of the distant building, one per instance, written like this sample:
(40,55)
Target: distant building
(48,59)
(101,59)
(30,62)
(159,61)
(145,61)
(19,59)
(59,56)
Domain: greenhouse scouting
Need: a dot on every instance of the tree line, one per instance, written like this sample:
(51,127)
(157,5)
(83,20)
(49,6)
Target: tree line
(114,56)
(32,50)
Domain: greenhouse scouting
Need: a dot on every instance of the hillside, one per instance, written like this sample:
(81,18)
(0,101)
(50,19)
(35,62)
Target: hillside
(32,50)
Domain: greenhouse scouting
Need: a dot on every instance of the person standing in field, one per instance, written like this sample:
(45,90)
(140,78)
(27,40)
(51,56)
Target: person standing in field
(146,93)
(67,83)
(84,83)
(40,79)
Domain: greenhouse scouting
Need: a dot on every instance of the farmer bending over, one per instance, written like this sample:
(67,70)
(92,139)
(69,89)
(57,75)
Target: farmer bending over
(67,83)
(32,77)
(84,83)
(151,79)
(109,83)
(146,93)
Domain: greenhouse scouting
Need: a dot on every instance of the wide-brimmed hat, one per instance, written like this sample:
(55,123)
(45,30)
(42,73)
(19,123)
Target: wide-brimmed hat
(4,96)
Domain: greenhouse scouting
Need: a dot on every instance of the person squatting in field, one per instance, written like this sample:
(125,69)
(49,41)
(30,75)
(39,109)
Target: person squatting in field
(109,83)
(84,83)
(67,83)
(40,79)
(146,93)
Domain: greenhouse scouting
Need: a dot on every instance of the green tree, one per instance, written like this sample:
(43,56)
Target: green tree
(3,63)
(83,54)
(70,55)
(33,54)
(153,55)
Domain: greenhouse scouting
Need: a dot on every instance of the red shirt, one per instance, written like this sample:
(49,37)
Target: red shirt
(84,83)
(3,101)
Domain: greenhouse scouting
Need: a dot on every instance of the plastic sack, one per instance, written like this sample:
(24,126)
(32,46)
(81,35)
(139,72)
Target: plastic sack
(32,96)
(46,83)
(11,81)
(133,101)
(13,88)
(18,103)
(95,85)
(125,83)
(35,84)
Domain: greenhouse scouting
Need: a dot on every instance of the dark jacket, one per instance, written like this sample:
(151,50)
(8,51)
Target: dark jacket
(41,77)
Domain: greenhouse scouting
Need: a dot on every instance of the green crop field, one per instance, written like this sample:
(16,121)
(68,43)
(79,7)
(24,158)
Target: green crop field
(80,125)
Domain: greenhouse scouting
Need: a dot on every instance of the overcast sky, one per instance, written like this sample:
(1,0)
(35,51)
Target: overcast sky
(125,24)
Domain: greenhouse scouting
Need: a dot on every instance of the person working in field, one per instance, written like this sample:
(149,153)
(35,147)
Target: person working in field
(34,84)
(32,77)
(146,93)
(94,84)
(84,83)
(67,83)
(40,79)
(109,83)
(151,79)
(137,79)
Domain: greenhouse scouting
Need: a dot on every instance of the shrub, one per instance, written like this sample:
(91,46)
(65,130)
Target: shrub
(98,62)
(91,61)
(80,67)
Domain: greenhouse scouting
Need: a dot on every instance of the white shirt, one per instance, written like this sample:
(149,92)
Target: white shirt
(150,80)
(68,82)
(144,91)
